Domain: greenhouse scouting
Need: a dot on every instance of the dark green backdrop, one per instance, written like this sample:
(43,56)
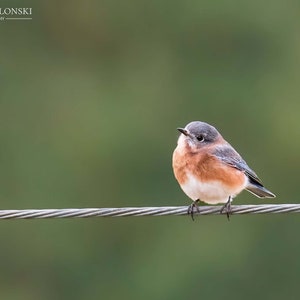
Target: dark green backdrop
(91,93)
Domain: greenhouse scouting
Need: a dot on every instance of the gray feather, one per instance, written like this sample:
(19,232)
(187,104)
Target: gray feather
(229,156)
(259,191)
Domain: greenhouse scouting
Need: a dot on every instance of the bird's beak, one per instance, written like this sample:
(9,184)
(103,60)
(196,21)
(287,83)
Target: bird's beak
(184,131)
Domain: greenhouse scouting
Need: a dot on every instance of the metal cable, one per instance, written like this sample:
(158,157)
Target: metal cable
(144,211)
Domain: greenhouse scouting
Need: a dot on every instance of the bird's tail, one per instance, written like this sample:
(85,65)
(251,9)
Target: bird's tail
(259,191)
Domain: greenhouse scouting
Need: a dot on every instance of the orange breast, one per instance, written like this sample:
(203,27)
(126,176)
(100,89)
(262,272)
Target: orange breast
(205,167)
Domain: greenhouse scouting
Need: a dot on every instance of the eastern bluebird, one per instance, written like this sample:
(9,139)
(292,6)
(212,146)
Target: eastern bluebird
(209,169)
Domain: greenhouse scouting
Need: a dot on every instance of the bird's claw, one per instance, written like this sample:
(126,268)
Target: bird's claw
(191,207)
(227,207)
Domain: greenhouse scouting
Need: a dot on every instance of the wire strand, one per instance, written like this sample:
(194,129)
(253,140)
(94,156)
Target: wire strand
(144,211)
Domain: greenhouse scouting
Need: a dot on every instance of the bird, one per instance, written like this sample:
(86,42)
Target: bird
(210,170)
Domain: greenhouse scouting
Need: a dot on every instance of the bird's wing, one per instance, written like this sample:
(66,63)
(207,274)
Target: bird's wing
(230,157)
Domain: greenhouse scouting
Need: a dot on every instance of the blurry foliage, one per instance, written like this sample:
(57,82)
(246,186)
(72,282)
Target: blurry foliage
(91,95)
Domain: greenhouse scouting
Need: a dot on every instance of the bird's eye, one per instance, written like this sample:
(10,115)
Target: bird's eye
(200,138)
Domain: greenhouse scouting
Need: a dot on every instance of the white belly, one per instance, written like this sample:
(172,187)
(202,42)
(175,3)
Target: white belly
(212,192)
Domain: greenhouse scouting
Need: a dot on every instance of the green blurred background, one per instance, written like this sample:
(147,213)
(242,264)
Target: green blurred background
(91,95)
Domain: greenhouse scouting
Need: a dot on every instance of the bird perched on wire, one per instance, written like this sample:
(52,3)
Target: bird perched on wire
(208,168)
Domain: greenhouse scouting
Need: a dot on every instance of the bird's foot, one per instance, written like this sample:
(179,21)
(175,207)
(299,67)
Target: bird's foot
(191,208)
(227,207)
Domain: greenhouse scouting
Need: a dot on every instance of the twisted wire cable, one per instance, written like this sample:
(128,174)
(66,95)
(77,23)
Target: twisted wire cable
(144,211)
